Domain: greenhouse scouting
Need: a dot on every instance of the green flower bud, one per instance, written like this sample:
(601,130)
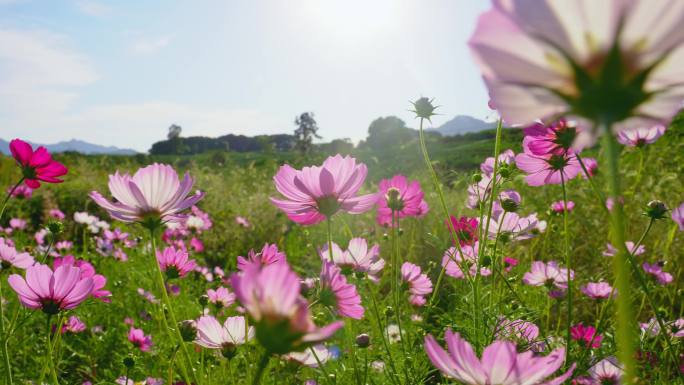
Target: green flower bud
(55,227)
(423,108)
(656,210)
(129,362)
(188,330)
(363,340)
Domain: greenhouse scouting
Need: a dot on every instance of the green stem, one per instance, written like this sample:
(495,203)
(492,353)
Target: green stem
(566,252)
(51,363)
(599,194)
(624,335)
(393,372)
(328,221)
(167,302)
(263,363)
(5,337)
(396,278)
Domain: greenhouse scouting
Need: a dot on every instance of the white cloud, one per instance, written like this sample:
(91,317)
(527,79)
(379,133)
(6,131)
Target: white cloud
(148,45)
(94,8)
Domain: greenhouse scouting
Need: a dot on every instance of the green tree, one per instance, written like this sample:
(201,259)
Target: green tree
(307,129)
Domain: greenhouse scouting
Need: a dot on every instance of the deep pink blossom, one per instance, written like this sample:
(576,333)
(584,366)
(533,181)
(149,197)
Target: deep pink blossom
(36,166)
(74,325)
(640,136)
(10,257)
(358,257)
(586,335)
(418,282)
(500,364)
(466,229)
(138,338)
(656,270)
(556,138)
(63,289)
(151,196)
(269,254)
(87,271)
(401,196)
(271,296)
(591,165)
(175,262)
(339,294)
(559,206)
(316,192)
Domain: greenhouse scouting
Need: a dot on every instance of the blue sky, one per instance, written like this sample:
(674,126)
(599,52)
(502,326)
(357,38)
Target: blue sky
(120,72)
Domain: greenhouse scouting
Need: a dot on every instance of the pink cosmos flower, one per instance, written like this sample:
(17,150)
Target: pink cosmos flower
(538,64)
(406,199)
(269,254)
(559,206)
(546,169)
(63,289)
(56,214)
(597,290)
(212,335)
(453,262)
(466,229)
(608,371)
(196,245)
(587,335)
(640,136)
(221,297)
(337,293)
(519,330)
(656,270)
(307,357)
(673,328)
(611,250)
(87,271)
(138,338)
(242,221)
(500,363)
(678,216)
(271,296)
(17,223)
(316,192)
(64,245)
(512,225)
(149,297)
(509,263)
(419,283)
(592,167)
(548,274)
(556,138)
(36,166)
(506,157)
(22,191)
(478,193)
(153,195)
(10,257)
(358,257)
(74,325)
(175,262)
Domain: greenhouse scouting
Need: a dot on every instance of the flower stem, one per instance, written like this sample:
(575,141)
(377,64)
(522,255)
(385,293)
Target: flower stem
(624,335)
(167,302)
(51,363)
(393,371)
(5,337)
(566,252)
(263,363)
(396,278)
(328,221)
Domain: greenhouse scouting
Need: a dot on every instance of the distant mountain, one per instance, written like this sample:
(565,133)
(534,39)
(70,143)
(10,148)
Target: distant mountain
(462,124)
(75,145)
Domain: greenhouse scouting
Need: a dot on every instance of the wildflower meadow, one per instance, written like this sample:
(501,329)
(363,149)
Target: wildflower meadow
(556,261)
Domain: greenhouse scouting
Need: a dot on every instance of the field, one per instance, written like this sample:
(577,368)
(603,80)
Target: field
(239,185)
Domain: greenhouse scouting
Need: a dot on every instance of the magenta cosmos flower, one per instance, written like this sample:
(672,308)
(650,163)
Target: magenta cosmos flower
(656,270)
(175,262)
(555,138)
(50,291)
(138,338)
(640,136)
(548,59)
(546,169)
(466,229)
(678,216)
(269,254)
(10,257)
(559,207)
(506,157)
(152,196)
(212,335)
(501,364)
(339,294)
(418,282)
(586,335)
(315,193)
(455,261)
(36,166)
(597,290)
(402,197)
(358,257)
(271,296)
(87,271)
(74,325)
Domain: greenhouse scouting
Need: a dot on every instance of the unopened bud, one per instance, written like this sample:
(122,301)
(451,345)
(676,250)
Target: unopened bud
(656,209)
(423,108)
(509,205)
(477,178)
(55,227)
(363,340)
(129,362)
(188,330)
(203,300)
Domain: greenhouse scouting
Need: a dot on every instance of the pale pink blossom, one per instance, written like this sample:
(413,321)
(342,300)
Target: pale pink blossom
(640,136)
(506,157)
(308,358)
(74,325)
(51,291)
(548,274)
(221,297)
(213,335)
(598,290)
(56,214)
(631,248)
(454,261)
(10,257)
(357,257)
(678,216)
(419,283)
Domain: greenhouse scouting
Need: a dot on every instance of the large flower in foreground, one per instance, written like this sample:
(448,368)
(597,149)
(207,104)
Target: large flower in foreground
(583,60)
(500,364)
(358,257)
(212,335)
(36,166)
(271,296)
(315,193)
(50,291)
(402,197)
(339,294)
(152,196)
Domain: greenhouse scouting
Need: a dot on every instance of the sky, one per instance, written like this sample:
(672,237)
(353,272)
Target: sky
(121,72)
